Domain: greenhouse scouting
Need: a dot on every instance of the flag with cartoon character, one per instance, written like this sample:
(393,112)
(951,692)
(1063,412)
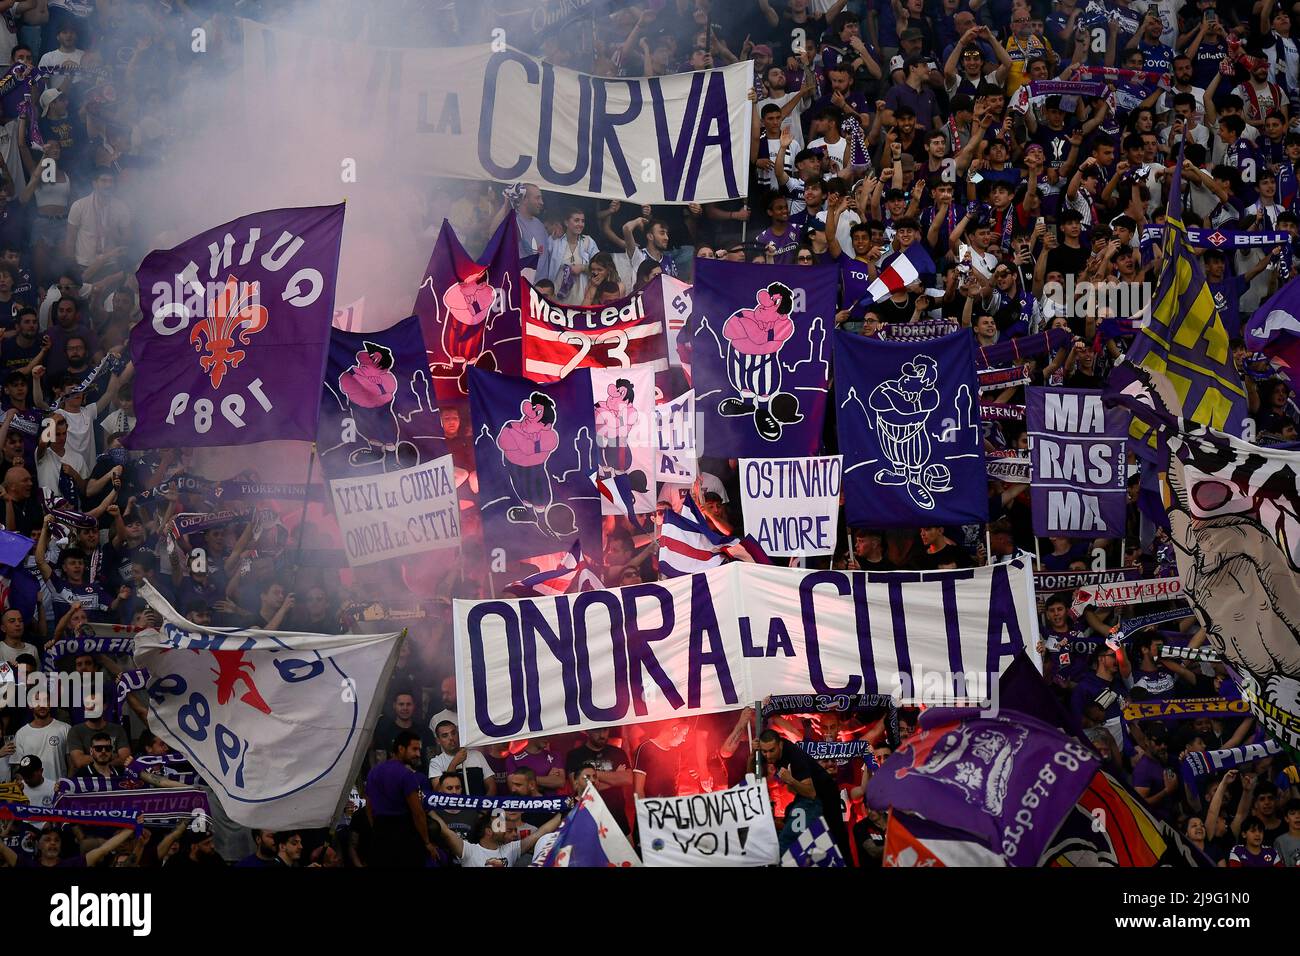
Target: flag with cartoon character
(760,359)
(378,410)
(1234,517)
(469,308)
(625,435)
(535,450)
(907,416)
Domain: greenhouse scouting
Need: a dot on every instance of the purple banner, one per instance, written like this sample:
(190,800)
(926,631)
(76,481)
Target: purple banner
(160,805)
(1008,780)
(1079,485)
(469,309)
(909,431)
(759,357)
(237,321)
(534,446)
(378,412)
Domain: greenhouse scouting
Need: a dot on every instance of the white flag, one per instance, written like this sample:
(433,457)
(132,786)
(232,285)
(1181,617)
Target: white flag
(724,828)
(275,722)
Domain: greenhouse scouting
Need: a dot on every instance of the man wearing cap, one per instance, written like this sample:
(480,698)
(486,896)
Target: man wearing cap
(30,772)
(911,43)
(965,69)
(913,93)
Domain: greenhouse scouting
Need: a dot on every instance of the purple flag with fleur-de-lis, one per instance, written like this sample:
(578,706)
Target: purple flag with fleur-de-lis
(236,329)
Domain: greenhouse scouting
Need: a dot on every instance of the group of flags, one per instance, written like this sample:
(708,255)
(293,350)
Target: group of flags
(230,381)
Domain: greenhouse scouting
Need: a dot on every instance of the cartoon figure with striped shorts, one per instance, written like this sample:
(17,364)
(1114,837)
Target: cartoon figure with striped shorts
(754,339)
(526,445)
(615,418)
(903,406)
(468,304)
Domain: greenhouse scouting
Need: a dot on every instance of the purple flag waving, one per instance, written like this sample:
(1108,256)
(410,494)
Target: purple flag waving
(233,345)
(377,409)
(759,357)
(534,448)
(1008,780)
(469,309)
(909,429)
(1079,483)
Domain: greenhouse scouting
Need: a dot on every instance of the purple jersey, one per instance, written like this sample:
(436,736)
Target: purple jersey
(787,244)
(387,787)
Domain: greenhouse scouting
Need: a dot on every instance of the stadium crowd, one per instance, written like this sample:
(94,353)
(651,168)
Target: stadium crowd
(877,124)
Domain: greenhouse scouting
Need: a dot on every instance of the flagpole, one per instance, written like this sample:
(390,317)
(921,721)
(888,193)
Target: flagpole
(302,519)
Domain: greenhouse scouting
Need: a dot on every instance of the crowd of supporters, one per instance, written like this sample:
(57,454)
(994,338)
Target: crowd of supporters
(877,124)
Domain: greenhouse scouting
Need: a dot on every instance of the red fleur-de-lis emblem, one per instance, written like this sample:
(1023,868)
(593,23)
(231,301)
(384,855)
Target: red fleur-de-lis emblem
(233,309)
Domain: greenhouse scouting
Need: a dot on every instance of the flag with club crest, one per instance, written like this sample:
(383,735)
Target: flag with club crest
(277,723)
(589,836)
(237,323)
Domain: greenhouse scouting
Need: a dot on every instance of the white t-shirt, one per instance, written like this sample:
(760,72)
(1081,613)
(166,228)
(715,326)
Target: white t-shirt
(474,760)
(41,795)
(791,122)
(99,224)
(49,466)
(50,743)
(56,58)
(982,262)
(474,855)
(81,433)
(836,151)
(10,655)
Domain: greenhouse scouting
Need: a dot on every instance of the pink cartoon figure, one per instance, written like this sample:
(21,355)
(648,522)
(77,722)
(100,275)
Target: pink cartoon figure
(754,339)
(526,444)
(615,418)
(371,388)
(467,305)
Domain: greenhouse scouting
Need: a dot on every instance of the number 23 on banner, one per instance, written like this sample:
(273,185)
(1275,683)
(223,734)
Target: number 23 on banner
(232,407)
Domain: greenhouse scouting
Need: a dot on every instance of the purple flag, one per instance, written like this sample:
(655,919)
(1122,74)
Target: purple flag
(1008,780)
(759,356)
(1079,480)
(377,409)
(908,421)
(534,448)
(233,345)
(469,309)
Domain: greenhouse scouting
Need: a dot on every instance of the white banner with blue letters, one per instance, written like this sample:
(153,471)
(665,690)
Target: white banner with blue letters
(721,639)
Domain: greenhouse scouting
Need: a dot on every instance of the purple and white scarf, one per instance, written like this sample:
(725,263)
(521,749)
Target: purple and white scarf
(1207,762)
(456,801)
